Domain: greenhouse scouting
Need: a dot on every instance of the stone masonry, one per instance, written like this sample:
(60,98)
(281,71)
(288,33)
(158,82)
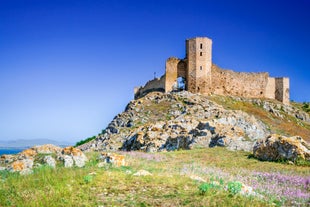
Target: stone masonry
(201,76)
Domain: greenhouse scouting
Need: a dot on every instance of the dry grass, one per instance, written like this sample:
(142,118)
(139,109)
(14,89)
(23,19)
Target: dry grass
(287,125)
(157,112)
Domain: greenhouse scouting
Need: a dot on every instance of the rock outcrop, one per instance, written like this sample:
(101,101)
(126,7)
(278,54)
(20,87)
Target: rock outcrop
(37,156)
(277,147)
(182,120)
(277,109)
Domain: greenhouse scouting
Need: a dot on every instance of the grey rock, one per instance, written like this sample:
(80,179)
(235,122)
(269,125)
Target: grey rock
(112,130)
(50,161)
(68,161)
(130,124)
(28,163)
(80,161)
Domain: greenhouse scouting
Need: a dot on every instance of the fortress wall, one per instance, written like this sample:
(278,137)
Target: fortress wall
(228,82)
(157,84)
(270,88)
(171,73)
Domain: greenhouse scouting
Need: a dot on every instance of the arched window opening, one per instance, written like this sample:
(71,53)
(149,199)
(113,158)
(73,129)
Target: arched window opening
(181,83)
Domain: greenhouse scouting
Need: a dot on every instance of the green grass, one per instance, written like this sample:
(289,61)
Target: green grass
(170,184)
(305,106)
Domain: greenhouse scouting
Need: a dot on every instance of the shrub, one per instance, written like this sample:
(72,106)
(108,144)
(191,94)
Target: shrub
(306,107)
(234,187)
(88,178)
(302,162)
(206,187)
(85,141)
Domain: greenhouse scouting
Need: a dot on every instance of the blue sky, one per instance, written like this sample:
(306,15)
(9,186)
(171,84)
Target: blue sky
(67,67)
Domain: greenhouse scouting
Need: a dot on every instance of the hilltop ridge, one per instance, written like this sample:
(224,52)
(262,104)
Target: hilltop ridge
(183,120)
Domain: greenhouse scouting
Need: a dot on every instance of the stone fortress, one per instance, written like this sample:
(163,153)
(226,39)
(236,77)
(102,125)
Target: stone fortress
(199,75)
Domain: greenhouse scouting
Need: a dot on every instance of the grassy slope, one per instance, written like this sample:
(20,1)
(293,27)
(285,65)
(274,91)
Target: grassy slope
(170,184)
(287,125)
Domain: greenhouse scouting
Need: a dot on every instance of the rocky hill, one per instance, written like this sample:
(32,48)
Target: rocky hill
(182,120)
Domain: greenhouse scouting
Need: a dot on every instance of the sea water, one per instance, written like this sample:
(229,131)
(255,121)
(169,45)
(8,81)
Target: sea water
(10,151)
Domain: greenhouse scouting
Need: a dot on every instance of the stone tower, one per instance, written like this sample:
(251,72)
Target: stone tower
(282,90)
(199,62)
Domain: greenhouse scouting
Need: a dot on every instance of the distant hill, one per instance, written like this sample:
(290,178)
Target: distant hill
(27,143)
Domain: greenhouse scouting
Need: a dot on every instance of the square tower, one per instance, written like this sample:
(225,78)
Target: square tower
(199,62)
(282,90)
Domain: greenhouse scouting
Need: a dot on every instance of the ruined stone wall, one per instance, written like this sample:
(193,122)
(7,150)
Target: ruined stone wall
(282,91)
(270,88)
(171,73)
(228,82)
(157,84)
(199,60)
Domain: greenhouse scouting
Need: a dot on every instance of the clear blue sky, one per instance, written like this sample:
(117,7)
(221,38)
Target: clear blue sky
(67,67)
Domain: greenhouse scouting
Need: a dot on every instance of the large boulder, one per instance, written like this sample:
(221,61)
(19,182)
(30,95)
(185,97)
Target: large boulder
(277,147)
(23,166)
(70,154)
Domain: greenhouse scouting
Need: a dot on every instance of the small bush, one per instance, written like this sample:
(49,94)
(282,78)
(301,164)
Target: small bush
(88,178)
(302,162)
(306,107)
(234,187)
(206,187)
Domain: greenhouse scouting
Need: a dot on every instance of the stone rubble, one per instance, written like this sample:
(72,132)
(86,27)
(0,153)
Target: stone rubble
(25,161)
